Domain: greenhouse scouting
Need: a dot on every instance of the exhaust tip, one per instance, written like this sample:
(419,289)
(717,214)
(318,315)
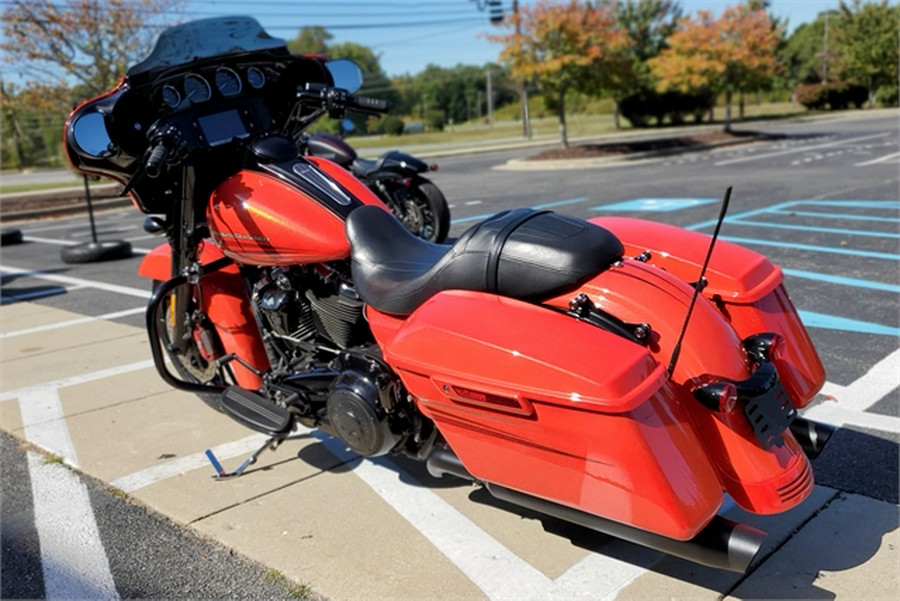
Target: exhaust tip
(812,436)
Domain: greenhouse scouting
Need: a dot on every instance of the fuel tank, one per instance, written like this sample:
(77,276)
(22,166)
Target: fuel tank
(286,213)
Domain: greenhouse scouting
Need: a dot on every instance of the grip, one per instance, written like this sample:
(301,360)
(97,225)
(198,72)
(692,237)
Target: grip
(156,160)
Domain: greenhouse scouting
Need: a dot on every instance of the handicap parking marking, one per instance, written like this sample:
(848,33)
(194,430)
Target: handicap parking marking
(659,205)
(771,218)
(537,207)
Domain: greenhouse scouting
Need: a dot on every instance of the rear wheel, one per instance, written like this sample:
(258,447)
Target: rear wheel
(423,210)
(193,363)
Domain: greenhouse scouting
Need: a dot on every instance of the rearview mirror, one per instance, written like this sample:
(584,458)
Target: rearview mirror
(346,74)
(90,135)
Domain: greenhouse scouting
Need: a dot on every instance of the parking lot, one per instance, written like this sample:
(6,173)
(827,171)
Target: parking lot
(822,201)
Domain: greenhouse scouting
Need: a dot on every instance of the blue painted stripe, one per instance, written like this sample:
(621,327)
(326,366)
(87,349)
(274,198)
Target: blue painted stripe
(811,319)
(836,279)
(821,249)
(537,207)
(665,205)
(864,204)
(842,216)
(784,206)
(812,228)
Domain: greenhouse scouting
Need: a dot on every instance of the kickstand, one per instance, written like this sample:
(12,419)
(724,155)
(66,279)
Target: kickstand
(272,443)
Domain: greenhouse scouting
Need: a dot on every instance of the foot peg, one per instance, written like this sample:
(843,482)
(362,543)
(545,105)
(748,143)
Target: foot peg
(272,443)
(255,411)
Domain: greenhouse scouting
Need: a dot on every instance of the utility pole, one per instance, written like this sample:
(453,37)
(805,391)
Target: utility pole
(825,53)
(490,97)
(523,91)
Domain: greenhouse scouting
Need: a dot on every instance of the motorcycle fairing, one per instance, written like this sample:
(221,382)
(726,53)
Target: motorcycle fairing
(743,284)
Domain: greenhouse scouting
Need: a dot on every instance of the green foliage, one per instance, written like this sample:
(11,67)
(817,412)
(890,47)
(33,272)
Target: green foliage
(459,93)
(837,95)
(887,96)
(867,37)
(390,125)
(675,106)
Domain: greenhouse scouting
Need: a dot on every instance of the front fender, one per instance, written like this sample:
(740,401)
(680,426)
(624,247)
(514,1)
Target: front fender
(227,305)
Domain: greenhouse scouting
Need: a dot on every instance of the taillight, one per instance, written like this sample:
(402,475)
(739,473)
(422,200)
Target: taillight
(764,347)
(718,396)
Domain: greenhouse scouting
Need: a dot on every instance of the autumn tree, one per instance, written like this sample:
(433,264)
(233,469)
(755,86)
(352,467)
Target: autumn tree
(563,47)
(64,51)
(732,53)
(85,43)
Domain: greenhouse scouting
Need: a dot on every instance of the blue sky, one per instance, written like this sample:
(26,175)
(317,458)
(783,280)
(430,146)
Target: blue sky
(448,32)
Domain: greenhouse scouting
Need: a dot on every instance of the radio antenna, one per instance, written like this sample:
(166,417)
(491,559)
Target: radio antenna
(701,282)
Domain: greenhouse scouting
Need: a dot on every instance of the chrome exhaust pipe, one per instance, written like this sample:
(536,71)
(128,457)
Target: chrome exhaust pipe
(443,461)
(812,436)
(722,544)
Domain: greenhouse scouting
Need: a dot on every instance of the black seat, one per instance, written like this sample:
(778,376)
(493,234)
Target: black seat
(524,254)
(361,167)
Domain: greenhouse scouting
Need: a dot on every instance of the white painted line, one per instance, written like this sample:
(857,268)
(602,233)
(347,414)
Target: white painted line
(56,242)
(833,414)
(598,577)
(72,322)
(796,150)
(497,571)
(163,471)
(879,160)
(45,424)
(471,203)
(881,379)
(64,279)
(73,559)
(75,380)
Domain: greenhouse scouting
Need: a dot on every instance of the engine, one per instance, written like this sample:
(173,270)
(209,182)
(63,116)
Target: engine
(317,337)
(299,306)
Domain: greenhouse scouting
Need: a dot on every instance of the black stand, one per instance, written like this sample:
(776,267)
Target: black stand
(93,251)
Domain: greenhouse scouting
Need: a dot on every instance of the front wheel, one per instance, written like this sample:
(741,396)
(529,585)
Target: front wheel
(193,363)
(423,210)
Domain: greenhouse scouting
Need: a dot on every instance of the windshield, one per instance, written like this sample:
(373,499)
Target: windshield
(204,39)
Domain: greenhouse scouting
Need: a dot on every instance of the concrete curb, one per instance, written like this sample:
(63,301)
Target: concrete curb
(65,210)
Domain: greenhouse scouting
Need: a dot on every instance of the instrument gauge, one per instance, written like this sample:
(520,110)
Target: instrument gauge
(171,96)
(228,82)
(256,78)
(196,88)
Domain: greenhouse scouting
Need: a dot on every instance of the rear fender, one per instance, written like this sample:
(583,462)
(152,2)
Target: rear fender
(225,303)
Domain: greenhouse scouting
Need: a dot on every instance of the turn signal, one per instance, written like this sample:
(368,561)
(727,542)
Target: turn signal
(718,396)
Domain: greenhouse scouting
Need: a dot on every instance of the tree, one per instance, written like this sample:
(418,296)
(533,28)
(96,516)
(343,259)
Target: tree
(563,47)
(66,51)
(310,40)
(732,53)
(648,24)
(83,42)
(867,40)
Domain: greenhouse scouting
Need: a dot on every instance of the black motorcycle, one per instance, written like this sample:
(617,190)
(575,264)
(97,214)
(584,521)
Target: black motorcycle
(395,178)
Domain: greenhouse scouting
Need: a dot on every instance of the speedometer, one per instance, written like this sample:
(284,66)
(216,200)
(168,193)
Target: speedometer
(228,82)
(170,96)
(196,88)
(256,78)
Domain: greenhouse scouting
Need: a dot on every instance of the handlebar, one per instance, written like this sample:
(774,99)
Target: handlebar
(157,159)
(337,100)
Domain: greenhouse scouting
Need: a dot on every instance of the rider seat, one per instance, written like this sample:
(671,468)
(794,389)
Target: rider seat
(523,254)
